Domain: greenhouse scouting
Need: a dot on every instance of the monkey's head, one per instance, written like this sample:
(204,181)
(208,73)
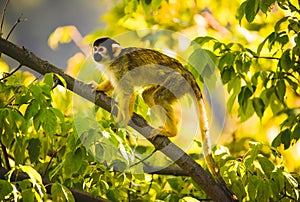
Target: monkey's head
(105,50)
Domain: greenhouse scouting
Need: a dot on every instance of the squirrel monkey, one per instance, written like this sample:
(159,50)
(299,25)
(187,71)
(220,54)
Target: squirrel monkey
(164,81)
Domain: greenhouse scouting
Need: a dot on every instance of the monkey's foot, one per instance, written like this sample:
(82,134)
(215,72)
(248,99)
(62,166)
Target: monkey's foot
(159,132)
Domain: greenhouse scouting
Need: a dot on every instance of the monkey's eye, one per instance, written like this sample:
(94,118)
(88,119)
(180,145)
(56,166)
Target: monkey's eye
(101,49)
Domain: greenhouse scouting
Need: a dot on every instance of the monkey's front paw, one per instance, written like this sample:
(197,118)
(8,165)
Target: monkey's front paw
(94,86)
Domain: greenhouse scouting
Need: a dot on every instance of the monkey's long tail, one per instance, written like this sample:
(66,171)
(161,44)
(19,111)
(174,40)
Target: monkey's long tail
(206,145)
(204,127)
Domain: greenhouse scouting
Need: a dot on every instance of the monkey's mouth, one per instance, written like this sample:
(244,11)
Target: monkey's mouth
(97,57)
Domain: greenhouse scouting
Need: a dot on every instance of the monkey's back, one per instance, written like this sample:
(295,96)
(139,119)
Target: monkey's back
(137,66)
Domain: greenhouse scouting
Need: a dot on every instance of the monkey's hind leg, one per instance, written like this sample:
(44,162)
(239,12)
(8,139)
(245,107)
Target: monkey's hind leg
(158,95)
(126,106)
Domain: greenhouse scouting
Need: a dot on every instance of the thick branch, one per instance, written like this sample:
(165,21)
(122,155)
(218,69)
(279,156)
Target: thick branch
(194,170)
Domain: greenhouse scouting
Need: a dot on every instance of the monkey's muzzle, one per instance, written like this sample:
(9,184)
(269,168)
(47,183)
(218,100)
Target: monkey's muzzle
(97,57)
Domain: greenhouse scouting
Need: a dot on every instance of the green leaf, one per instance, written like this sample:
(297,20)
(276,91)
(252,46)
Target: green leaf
(296,132)
(277,141)
(255,149)
(280,90)
(39,118)
(60,193)
(50,122)
(36,91)
(286,138)
(73,161)
(48,79)
(226,60)
(175,183)
(285,61)
(241,12)
(112,194)
(118,165)
(19,147)
(251,9)
(293,182)
(32,109)
(244,95)
(227,74)
(259,106)
(266,165)
(252,187)
(5,189)
(264,190)
(34,176)
(261,45)
(200,61)
(279,22)
(34,147)
(203,39)
(264,5)
(279,180)
(29,195)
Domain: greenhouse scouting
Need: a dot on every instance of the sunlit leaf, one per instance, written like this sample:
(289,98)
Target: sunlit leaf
(48,79)
(62,34)
(266,165)
(290,179)
(60,193)
(34,176)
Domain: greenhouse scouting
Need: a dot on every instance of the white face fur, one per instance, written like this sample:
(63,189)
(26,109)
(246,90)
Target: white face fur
(102,56)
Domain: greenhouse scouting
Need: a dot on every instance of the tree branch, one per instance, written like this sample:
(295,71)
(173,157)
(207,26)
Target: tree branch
(185,162)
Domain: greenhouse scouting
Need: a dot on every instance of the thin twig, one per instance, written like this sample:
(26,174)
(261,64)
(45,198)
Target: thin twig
(3,16)
(144,159)
(19,20)
(5,155)
(151,182)
(11,73)
(266,57)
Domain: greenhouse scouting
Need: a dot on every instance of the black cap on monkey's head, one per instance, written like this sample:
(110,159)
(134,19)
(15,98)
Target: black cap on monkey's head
(108,44)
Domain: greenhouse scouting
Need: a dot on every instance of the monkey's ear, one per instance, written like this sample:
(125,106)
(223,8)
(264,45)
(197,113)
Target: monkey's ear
(116,49)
